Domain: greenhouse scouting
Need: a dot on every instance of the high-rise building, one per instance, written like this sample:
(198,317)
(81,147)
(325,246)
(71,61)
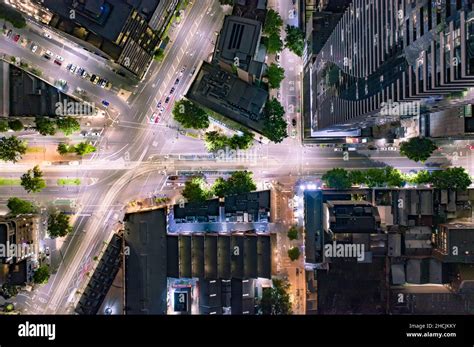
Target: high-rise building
(385,53)
(127,32)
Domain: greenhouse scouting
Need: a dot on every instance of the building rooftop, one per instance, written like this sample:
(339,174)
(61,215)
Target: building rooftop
(146,266)
(238,41)
(105,18)
(31,96)
(229,96)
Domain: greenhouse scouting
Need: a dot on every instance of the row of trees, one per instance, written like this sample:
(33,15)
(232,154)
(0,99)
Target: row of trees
(272,28)
(67,125)
(192,116)
(196,189)
(451,178)
(15,125)
(81,148)
(216,141)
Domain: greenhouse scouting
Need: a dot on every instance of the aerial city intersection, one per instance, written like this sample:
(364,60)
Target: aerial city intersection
(237,157)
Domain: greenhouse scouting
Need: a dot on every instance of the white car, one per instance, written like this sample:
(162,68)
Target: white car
(277,57)
(293,133)
(47,35)
(34,47)
(338,149)
(74,163)
(58,57)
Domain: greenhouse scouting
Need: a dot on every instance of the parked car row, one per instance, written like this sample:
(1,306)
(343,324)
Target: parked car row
(59,60)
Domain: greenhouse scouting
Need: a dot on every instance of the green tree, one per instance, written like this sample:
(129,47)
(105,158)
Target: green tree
(357,177)
(240,182)
(451,178)
(41,275)
(243,141)
(375,177)
(273,23)
(189,115)
(11,148)
(394,177)
(9,307)
(418,149)
(276,300)
(195,190)
(58,225)
(16,125)
(215,141)
(273,43)
(84,148)
(68,125)
(275,127)
(337,178)
(295,40)
(33,181)
(64,149)
(275,75)
(422,177)
(159,54)
(18,206)
(220,187)
(294,253)
(293,233)
(3,126)
(45,126)
(13,16)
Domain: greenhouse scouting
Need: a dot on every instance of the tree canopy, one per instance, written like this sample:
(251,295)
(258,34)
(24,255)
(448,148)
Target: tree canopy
(276,300)
(45,126)
(293,232)
(337,178)
(216,141)
(294,253)
(418,149)
(68,125)
(41,275)
(3,126)
(33,181)
(58,225)
(295,40)
(12,148)
(238,183)
(19,206)
(451,178)
(275,128)
(16,125)
(273,23)
(195,190)
(275,75)
(189,115)
(84,148)
(273,43)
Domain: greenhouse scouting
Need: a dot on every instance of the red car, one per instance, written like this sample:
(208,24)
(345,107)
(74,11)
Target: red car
(16,38)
